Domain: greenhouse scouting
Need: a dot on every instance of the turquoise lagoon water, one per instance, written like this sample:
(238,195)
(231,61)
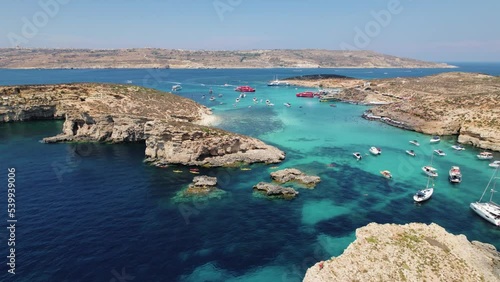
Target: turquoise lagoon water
(96,212)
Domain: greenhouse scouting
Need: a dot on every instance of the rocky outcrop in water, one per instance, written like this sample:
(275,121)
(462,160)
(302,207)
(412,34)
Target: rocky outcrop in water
(293,174)
(272,190)
(411,252)
(169,124)
(202,185)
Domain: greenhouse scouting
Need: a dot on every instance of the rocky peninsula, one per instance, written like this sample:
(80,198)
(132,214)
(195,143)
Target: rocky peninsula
(172,127)
(411,252)
(454,103)
(22,58)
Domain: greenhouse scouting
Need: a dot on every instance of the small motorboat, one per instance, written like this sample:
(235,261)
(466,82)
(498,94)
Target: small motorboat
(333,105)
(177,171)
(411,153)
(423,195)
(245,168)
(435,139)
(430,171)
(220,94)
(194,170)
(375,151)
(237,100)
(212,98)
(495,164)
(176,87)
(254,99)
(357,155)
(288,105)
(307,94)
(387,174)
(485,156)
(440,152)
(458,147)
(415,142)
(455,176)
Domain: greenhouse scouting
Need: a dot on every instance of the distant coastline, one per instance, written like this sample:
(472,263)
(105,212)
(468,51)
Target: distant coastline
(143,58)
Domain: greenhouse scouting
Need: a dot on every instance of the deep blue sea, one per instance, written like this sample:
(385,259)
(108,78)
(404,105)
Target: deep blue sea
(96,212)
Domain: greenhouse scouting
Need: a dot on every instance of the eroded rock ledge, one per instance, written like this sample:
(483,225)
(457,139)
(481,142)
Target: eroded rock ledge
(411,252)
(167,123)
(293,174)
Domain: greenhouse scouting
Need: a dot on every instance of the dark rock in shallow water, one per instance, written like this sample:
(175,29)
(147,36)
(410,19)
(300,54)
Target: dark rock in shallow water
(293,174)
(275,190)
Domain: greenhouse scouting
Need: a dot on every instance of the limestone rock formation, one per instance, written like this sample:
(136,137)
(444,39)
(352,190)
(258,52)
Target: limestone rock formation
(170,125)
(202,185)
(293,174)
(411,252)
(275,190)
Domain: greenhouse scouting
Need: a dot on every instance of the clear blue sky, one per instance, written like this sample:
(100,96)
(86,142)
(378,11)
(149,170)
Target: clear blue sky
(444,30)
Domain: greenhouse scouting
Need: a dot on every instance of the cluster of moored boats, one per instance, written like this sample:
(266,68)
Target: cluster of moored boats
(490,211)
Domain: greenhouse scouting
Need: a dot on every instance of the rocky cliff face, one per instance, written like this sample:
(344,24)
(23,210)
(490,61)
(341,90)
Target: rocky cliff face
(168,124)
(411,252)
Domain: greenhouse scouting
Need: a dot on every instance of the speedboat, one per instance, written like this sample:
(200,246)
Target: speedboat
(435,139)
(307,94)
(387,174)
(411,153)
(254,99)
(375,150)
(430,171)
(488,210)
(288,105)
(423,195)
(440,152)
(244,89)
(415,142)
(495,164)
(455,176)
(212,98)
(176,87)
(238,100)
(485,156)
(458,147)
(277,82)
(357,155)
(220,94)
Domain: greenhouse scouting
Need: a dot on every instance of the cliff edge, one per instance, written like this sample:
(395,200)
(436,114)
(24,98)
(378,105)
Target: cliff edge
(410,252)
(170,125)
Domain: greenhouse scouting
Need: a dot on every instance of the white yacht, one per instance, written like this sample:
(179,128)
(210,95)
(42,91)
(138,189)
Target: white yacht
(490,210)
(458,147)
(375,150)
(430,171)
(176,87)
(455,175)
(485,156)
(440,152)
(495,164)
(357,155)
(435,139)
(277,82)
(415,142)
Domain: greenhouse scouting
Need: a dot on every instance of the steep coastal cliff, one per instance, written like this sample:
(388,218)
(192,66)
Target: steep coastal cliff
(463,104)
(169,124)
(411,252)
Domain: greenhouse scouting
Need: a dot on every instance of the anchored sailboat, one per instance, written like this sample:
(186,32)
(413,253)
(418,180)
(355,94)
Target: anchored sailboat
(488,210)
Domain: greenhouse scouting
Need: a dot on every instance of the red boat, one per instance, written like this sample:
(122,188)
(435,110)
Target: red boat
(307,94)
(244,89)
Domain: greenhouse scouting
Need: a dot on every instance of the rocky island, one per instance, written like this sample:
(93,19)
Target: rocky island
(172,127)
(411,252)
(21,58)
(454,103)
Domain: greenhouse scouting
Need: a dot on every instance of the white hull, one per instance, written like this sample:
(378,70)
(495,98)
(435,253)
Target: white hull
(489,211)
(357,156)
(423,195)
(415,143)
(430,171)
(495,164)
(375,151)
(410,153)
(440,153)
(484,157)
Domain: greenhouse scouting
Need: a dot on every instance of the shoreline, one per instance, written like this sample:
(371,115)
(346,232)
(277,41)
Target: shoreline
(220,68)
